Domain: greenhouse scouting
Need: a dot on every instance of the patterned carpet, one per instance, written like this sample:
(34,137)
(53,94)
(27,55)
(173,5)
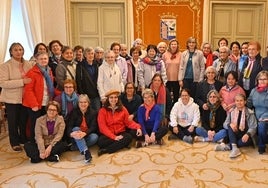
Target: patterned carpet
(175,164)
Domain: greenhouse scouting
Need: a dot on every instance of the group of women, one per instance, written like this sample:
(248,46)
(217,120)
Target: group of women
(54,92)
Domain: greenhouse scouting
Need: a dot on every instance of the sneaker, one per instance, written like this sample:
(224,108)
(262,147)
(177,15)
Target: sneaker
(235,153)
(261,150)
(173,137)
(188,139)
(54,158)
(199,139)
(138,144)
(88,156)
(222,147)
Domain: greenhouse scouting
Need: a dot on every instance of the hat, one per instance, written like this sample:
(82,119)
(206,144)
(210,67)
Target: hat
(113,91)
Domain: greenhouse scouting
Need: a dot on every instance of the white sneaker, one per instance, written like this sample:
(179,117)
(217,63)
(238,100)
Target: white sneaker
(199,139)
(222,147)
(235,153)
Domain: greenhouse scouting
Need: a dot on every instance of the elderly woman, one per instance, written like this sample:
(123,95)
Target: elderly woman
(149,117)
(258,99)
(49,130)
(82,127)
(113,120)
(161,49)
(235,51)
(212,120)
(39,91)
(131,100)
(241,124)
(208,55)
(252,66)
(150,65)
(202,89)
(223,64)
(184,118)
(162,97)
(172,59)
(12,80)
(192,66)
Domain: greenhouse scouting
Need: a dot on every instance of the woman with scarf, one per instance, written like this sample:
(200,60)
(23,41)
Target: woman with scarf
(243,57)
(251,67)
(241,124)
(162,98)
(149,117)
(150,65)
(68,100)
(39,91)
(67,68)
(212,120)
(114,125)
(172,59)
(207,52)
(258,99)
(230,90)
(82,127)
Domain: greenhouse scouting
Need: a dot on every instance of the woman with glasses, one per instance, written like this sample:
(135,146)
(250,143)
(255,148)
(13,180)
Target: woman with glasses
(212,120)
(82,127)
(114,125)
(49,130)
(258,99)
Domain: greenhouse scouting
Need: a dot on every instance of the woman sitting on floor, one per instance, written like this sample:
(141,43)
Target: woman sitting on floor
(184,117)
(82,127)
(212,120)
(49,130)
(149,117)
(241,124)
(113,123)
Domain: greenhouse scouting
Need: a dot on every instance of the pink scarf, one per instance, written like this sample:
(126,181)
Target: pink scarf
(261,87)
(234,116)
(148,109)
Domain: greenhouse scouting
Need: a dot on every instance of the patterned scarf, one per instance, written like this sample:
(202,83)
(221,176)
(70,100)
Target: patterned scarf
(153,62)
(248,69)
(65,99)
(234,118)
(148,108)
(161,98)
(212,116)
(46,73)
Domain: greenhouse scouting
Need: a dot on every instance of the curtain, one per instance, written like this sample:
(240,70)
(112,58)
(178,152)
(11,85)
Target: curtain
(31,12)
(5,14)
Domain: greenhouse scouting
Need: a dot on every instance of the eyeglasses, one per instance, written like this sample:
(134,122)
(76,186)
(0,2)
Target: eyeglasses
(262,79)
(212,96)
(223,52)
(52,110)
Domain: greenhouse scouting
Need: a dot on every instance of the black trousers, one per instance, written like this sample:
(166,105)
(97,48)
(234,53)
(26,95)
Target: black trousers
(191,85)
(16,117)
(183,131)
(32,151)
(112,146)
(160,133)
(173,86)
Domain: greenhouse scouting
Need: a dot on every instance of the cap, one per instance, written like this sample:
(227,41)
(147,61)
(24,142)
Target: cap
(112,92)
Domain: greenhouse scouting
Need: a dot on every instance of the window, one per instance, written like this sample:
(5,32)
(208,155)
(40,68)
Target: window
(17,31)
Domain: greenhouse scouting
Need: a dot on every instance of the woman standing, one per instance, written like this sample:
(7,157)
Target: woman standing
(149,117)
(235,52)
(39,91)
(113,120)
(82,127)
(207,52)
(258,99)
(172,59)
(150,65)
(212,120)
(192,67)
(12,81)
(49,130)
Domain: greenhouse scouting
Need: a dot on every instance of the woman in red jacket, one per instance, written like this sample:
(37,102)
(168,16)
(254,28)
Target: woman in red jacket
(113,123)
(39,91)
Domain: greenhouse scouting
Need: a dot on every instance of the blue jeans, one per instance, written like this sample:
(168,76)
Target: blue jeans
(87,141)
(221,134)
(262,134)
(236,138)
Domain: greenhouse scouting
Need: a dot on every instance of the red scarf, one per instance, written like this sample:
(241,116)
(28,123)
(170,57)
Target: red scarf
(148,109)
(161,98)
(261,87)
(209,60)
(83,125)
